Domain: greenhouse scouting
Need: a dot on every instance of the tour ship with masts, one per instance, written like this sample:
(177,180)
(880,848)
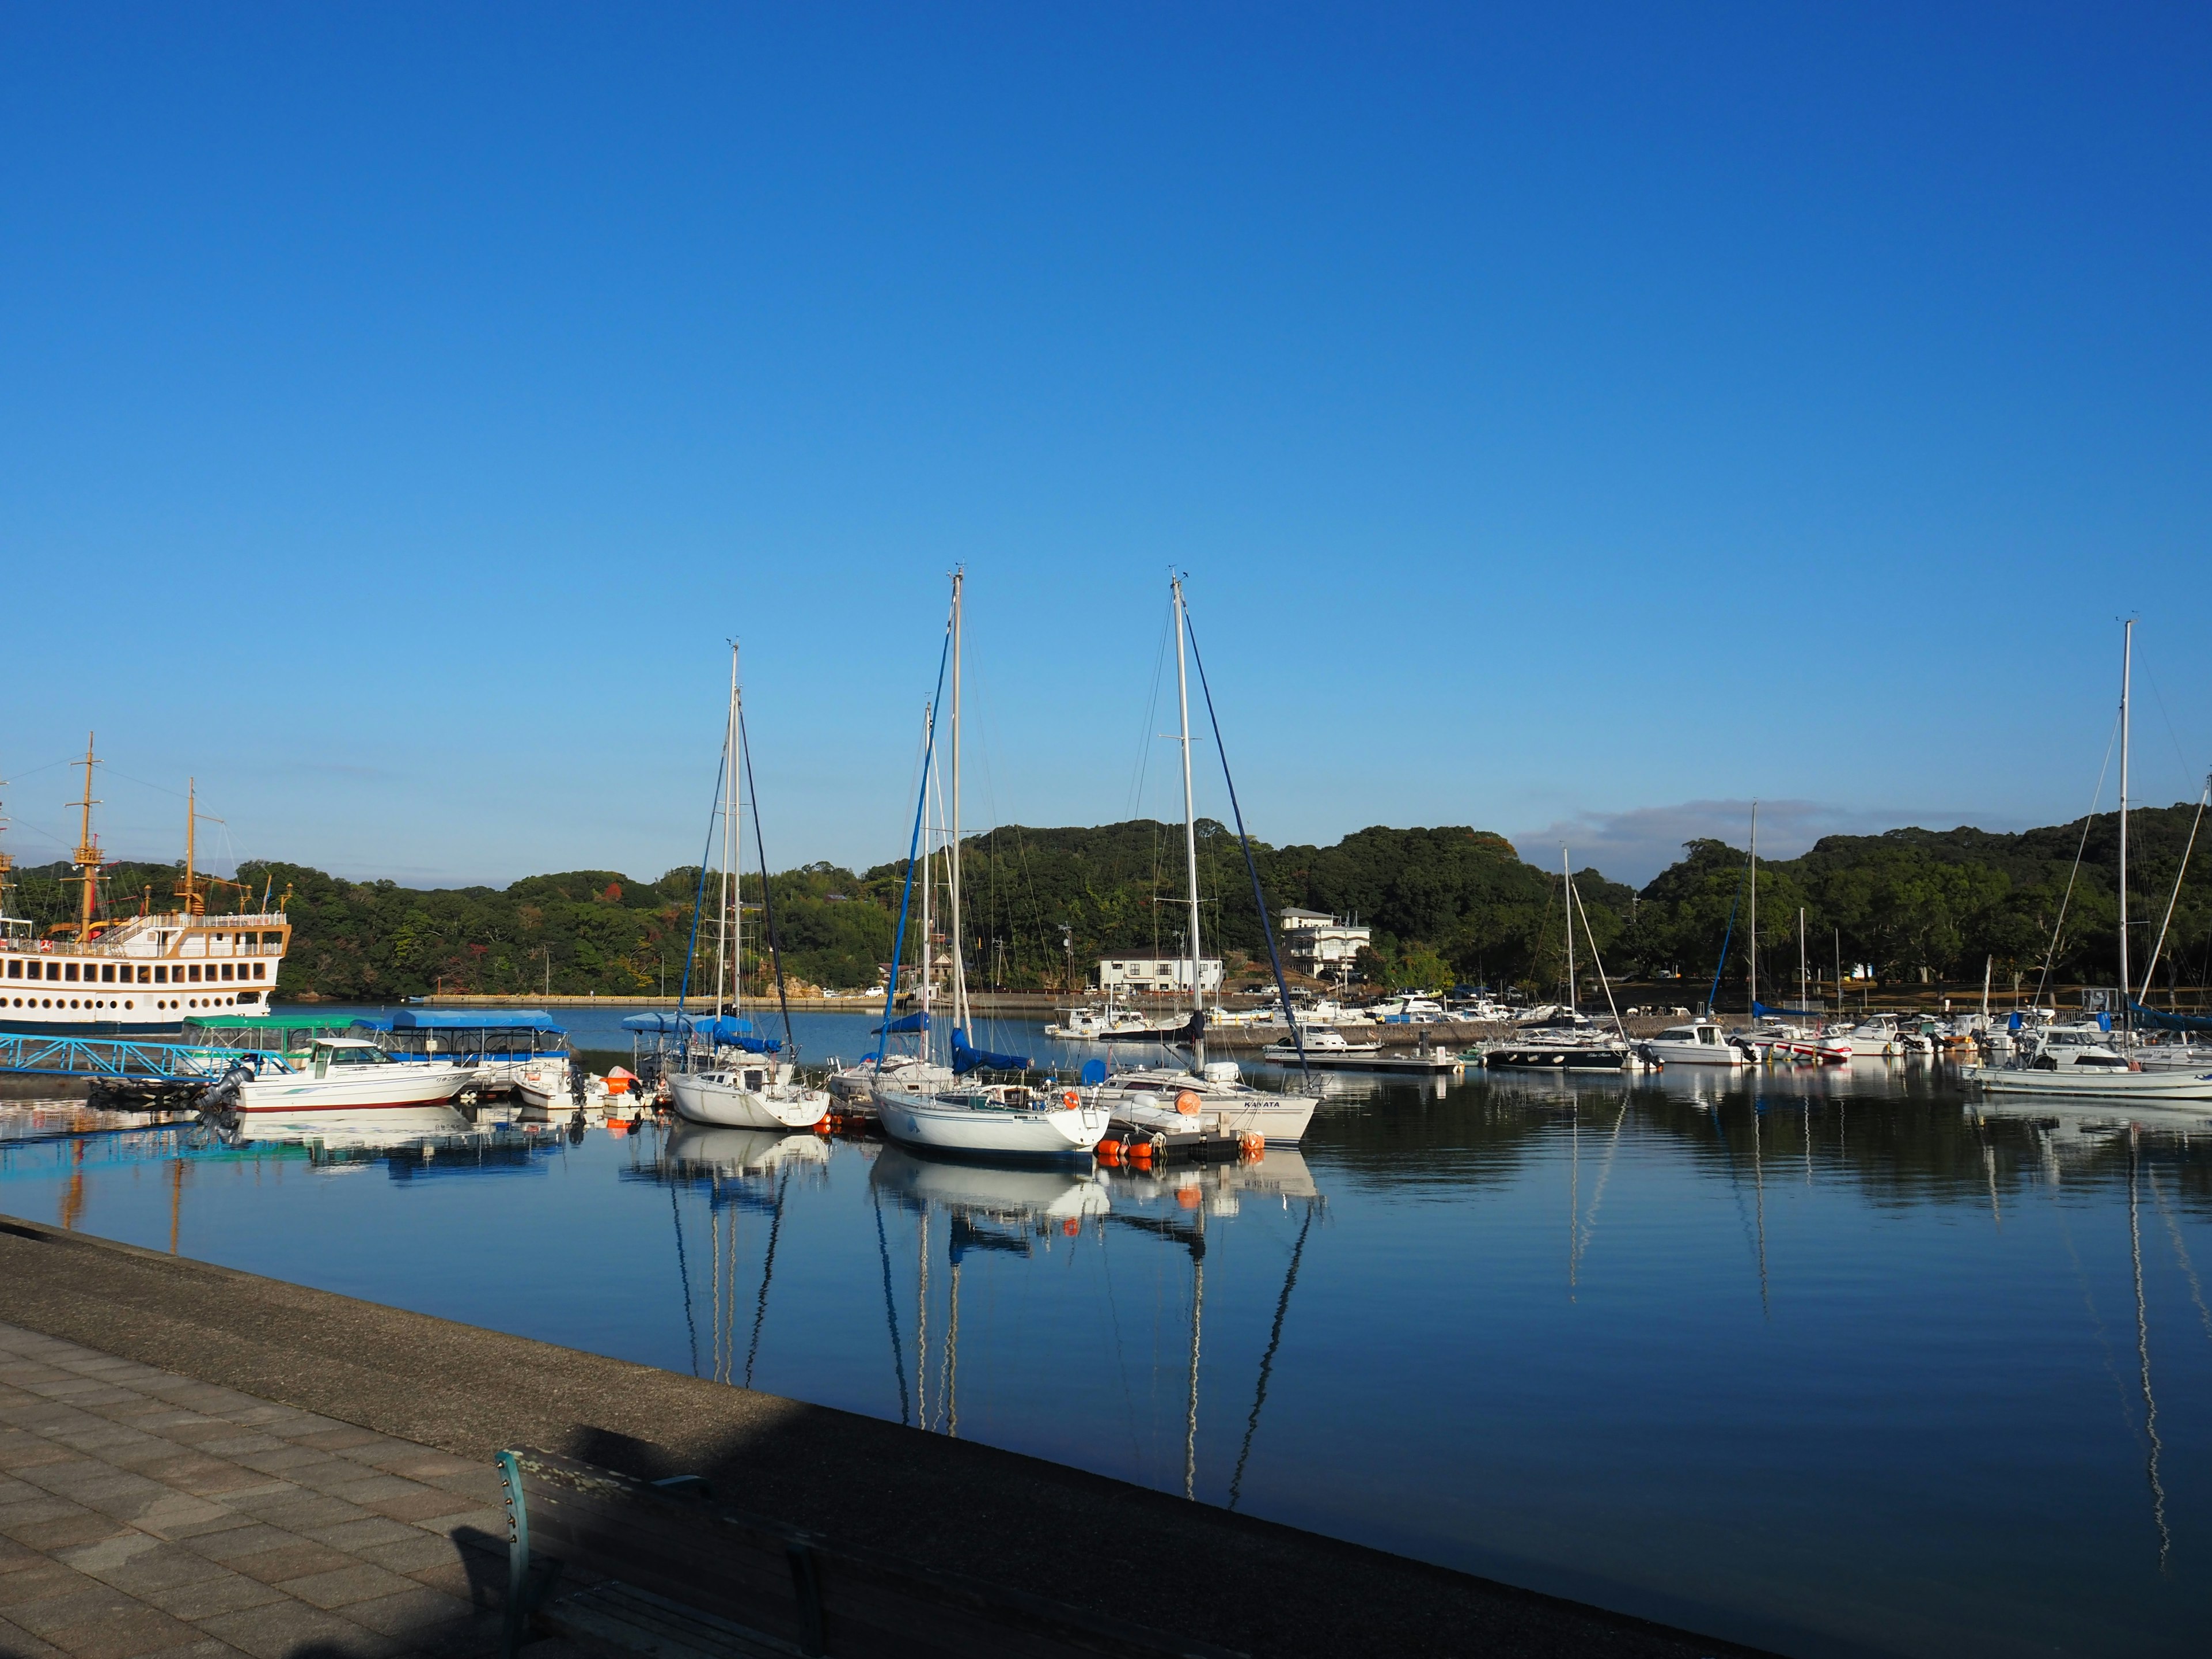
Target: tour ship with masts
(134,975)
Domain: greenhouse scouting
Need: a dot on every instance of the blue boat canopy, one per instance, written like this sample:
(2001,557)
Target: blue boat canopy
(911,1023)
(466,1019)
(2160,1021)
(1788,1013)
(671,1023)
(966,1059)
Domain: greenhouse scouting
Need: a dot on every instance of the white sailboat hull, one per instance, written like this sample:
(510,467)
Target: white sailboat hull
(946,1126)
(721,1100)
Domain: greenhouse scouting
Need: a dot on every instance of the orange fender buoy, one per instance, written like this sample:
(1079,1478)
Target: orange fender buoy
(1187,1102)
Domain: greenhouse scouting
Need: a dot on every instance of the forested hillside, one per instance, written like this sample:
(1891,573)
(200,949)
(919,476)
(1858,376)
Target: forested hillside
(1446,905)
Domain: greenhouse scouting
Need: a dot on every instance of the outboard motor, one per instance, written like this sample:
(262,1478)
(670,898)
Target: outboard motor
(220,1099)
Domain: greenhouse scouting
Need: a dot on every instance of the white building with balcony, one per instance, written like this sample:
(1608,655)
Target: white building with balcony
(1321,945)
(1157,974)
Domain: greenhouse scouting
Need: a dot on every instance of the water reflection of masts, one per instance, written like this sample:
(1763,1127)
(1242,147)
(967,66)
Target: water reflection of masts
(1585,1222)
(1267,1360)
(1192,1237)
(2142,1355)
(890,1309)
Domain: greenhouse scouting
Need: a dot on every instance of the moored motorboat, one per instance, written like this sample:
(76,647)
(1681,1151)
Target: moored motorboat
(346,1078)
(1701,1042)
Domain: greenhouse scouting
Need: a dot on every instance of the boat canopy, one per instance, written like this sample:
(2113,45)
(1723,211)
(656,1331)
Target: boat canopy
(468,1020)
(911,1023)
(671,1024)
(2160,1020)
(332,1021)
(966,1059)
(1761,1008)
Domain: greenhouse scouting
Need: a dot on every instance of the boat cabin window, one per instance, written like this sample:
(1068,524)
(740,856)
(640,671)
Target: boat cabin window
(1679,1034)
(350,1055)
(14,970)
(1708,1034)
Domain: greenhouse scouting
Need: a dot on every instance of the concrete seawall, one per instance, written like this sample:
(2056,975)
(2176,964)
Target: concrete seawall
(1245,1583)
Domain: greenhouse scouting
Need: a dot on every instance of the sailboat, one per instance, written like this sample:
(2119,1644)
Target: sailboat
(1002,1120)
(2072,1061)
(1217,1092)
(735,1080)
(1567,1040)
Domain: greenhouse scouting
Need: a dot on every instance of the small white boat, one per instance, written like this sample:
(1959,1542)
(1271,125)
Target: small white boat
(2080,1060)
(747,1093)
(350,1078)
(1319,1042)
(1222,1095)
(1877,1037)
(1701,1042)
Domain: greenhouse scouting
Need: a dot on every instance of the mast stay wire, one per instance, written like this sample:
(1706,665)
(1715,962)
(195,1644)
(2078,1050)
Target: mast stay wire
(2051,955)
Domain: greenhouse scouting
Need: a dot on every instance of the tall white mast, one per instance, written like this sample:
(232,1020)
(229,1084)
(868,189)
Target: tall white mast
(2127,667)
(1567,890)
(952,866)
(928,866)
(1755,910)
(723,940)
(1189,820)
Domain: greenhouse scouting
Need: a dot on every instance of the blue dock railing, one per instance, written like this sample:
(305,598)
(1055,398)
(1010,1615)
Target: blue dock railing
(122,1060)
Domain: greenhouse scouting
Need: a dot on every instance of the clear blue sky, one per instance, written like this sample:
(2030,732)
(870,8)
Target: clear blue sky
(1568,416)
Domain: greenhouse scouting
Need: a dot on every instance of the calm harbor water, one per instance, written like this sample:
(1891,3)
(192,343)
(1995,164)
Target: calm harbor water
(1827,1361)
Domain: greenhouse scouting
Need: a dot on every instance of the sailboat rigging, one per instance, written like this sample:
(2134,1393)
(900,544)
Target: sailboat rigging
(734,1080)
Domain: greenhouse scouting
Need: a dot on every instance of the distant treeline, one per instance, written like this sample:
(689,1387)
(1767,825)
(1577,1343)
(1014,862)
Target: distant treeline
(1447,905)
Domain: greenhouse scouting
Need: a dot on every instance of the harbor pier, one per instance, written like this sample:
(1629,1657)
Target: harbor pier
(195,1455)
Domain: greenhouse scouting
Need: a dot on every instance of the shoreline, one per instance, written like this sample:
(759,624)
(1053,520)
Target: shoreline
(1243,1583)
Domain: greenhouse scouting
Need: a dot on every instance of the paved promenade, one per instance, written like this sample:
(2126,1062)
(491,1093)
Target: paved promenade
(195,1460)
(145,1513)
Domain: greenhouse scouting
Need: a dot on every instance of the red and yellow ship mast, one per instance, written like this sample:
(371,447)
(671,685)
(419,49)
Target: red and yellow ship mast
(87,857)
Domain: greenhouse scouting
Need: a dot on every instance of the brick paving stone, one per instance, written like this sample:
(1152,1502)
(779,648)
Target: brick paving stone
(228,1592)
(428,1506)
(69,1608)
(123,1632)
(413,1554)
(284,1628)
(145,1516)
(356,1580)
(412,1614)
(295,1560)
(76,1526)
(355,1536)
(19,1644)
(121,1564)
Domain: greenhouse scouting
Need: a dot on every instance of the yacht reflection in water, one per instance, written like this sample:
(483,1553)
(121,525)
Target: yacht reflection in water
(736,1170)
(1028,1211)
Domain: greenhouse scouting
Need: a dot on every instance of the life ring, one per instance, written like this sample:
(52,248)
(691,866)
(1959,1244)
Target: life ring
(1187,1102)
(1070,1100)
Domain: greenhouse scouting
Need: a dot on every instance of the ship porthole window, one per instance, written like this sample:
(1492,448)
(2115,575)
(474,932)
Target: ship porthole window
(128,1006)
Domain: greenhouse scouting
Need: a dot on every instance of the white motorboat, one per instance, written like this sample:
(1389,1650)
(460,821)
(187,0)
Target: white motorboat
(748,1092)
(2080,1061)
(1701,1042)
(858,1081)
(1223,1098)
(1111,1024)
(348,1078)
(1877,1036)
(1322,1044)
(1779,1044)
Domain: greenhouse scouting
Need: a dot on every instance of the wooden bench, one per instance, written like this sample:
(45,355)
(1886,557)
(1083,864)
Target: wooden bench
(618,1564)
